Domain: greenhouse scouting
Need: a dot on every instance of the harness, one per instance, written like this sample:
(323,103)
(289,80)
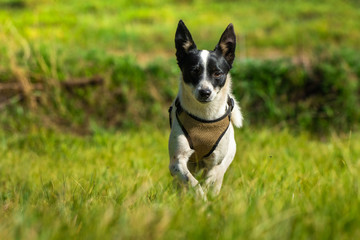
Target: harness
(203,135)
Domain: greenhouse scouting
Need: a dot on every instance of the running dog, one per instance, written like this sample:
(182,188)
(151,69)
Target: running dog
(204,113)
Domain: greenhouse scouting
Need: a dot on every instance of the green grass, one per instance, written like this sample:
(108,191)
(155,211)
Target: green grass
(117,186)
(264,28)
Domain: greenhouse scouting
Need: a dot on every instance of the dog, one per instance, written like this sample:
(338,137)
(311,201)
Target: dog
(204,112)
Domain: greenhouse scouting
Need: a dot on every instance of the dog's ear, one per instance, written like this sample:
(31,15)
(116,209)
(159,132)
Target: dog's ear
(183,41)
(227,44)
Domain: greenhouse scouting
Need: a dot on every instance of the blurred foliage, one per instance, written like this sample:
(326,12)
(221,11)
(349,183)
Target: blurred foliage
(130,93)
(317,94)
(283,75)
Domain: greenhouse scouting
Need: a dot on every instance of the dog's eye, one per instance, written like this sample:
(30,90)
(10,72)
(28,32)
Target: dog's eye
(217,74)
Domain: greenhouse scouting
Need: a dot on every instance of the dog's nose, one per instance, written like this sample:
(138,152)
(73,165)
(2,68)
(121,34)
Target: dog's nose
(205,93)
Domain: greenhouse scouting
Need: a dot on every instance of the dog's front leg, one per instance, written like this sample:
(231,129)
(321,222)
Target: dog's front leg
(214,179)
(215,175)
(180,153)
(178,168)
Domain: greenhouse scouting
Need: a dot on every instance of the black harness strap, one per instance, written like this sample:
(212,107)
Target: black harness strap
(179,110)
(170,120)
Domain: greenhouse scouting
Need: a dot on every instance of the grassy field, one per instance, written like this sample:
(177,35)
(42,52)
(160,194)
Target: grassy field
(117,186)
(142,27)
(92,163)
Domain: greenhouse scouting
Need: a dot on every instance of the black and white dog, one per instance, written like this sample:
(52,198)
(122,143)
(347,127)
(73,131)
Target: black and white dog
(204,112)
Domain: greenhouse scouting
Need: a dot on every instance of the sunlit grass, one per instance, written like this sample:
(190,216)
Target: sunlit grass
(117,185)
(143,27)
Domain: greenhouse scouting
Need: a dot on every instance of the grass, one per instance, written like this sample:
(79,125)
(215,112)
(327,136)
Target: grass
(140,28)
(117,186)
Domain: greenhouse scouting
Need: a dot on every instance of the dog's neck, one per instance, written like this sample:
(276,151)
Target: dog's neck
(207,111)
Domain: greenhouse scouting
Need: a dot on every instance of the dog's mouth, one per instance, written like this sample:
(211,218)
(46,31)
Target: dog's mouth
(204,96)
(204,100)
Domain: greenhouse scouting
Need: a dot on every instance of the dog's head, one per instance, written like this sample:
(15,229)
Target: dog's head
(204,72)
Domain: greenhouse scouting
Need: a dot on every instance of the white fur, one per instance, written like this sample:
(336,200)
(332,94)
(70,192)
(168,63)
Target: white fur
(204,84)
(179,149)
(204,56)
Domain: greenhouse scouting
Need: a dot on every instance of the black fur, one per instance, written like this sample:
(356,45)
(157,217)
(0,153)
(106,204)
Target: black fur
(227,44)
(183,38)
(219,62)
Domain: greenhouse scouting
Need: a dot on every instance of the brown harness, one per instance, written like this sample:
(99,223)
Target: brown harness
(203,135)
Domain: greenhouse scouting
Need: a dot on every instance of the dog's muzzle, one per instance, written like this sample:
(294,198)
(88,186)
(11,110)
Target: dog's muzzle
(204,95)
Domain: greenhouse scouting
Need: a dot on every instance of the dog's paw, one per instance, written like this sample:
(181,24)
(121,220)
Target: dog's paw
(213,184)
(200,192)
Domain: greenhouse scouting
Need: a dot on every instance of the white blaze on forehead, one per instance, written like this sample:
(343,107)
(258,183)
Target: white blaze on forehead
(204,55)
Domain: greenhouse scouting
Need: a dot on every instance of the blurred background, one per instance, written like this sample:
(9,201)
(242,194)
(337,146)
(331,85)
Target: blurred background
(81,65)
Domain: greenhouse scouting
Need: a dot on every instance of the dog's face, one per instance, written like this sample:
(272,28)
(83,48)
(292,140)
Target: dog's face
(204,72)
